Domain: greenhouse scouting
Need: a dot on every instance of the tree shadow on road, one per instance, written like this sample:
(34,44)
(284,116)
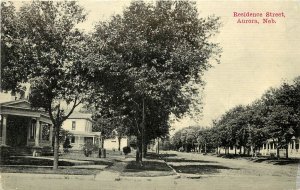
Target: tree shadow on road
(200,169)
(151,155)
(277,161)
(184,160)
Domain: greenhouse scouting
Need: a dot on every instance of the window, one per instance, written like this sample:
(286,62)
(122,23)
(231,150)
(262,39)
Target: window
(72,139)
(73,125)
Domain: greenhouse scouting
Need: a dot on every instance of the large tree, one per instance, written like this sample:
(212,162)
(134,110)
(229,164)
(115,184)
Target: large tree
(51,54)
(11,77)
(282,106)
(151,56)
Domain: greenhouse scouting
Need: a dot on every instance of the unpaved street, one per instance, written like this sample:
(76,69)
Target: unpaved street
(194,172)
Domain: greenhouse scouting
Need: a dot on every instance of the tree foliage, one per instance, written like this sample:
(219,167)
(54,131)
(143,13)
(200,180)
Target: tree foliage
(274,116)
(48,52)
(150,57)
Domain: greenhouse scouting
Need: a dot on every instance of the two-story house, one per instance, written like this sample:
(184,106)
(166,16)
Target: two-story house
(79,126)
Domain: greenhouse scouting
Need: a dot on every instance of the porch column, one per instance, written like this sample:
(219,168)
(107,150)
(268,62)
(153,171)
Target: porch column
(37,132)
(29,129)
(4,125)
(294,143)
(93,140)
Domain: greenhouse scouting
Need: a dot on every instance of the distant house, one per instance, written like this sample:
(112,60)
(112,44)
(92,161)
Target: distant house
(113,143)
(79,126)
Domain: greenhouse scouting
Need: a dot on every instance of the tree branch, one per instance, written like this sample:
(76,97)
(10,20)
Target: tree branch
(72,109)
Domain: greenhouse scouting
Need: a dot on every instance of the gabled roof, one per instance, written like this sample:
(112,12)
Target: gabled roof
(17,104)
(23,108)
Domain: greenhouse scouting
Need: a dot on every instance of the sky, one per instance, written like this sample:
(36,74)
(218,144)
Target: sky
(255,56)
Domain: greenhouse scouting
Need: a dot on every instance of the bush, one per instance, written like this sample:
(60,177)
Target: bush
(126,150)
(88,148)
(67,145)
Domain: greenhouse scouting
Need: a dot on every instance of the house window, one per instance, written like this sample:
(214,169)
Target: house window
(72,139)
(73,125)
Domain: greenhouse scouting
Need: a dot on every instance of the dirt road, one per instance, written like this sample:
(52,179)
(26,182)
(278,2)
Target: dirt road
(194,172)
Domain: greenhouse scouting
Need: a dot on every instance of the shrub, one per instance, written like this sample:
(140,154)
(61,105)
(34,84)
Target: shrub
(88,148)
(126,150)
(67,145)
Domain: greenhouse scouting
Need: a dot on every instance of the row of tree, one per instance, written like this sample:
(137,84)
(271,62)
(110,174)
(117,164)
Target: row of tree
(133,70)
(275,116)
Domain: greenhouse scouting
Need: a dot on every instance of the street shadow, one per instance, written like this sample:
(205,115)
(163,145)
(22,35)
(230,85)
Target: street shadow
(201,169)
(151,155)
(147,166)
(276,161)
(184,160)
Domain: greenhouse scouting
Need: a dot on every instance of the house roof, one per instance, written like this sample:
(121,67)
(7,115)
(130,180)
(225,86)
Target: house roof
(22,103)
(23,108)
(76,115)
(84,134)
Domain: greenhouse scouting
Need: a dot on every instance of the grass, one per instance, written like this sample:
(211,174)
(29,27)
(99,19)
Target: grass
(132,166)
(199,169)
(49,170)
(149,169)
(44,166)
(32,161)
(185,160)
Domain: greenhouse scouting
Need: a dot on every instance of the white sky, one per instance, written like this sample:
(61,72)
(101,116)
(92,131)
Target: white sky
(255,56)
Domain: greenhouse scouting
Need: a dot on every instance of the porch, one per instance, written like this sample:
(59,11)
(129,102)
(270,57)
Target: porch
(21,127)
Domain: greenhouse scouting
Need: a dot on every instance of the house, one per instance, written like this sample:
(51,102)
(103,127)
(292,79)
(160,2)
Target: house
(23,129)
(79,127)
(113,143)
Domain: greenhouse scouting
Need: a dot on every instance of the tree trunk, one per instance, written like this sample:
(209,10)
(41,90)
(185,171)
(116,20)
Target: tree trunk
(157,146)
(139,158)
(144,149)
(119,143)
(287,151)
(234,150)
(205,148)
(278,156)
(56,147)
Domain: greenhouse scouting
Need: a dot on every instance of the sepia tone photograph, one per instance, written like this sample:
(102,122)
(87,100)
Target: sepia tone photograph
(150,94)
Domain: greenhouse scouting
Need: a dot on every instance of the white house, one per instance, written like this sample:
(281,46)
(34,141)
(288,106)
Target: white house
(113,143)
(79,125)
